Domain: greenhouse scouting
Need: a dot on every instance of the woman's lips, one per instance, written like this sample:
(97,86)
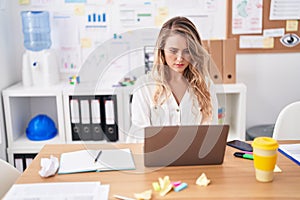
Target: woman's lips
(179,65)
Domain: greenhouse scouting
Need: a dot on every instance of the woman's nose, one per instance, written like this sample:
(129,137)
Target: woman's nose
(179,56)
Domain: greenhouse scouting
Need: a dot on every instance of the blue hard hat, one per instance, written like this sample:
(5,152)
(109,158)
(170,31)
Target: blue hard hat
(41,127)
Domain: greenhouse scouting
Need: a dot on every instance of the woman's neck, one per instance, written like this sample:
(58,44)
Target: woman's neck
(178,85)
(175,76)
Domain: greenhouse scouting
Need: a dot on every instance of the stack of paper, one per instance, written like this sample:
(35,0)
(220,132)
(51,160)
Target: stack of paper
(58,191)
(84,161)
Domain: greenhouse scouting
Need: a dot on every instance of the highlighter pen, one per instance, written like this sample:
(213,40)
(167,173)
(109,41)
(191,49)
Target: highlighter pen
(243,155)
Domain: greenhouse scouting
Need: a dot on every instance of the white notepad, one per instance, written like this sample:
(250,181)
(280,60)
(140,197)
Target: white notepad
(84,161)
(292,151)
(61,190)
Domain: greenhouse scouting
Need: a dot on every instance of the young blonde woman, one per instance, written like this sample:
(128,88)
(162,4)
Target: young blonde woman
(178,91)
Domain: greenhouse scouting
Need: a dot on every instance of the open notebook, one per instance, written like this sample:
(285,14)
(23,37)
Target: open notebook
(84,161)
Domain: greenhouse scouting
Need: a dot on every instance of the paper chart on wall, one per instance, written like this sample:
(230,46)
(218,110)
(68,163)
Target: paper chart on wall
(284,9)
(66,42)
(247,16)
(207,15)
(135,13)
(42,2)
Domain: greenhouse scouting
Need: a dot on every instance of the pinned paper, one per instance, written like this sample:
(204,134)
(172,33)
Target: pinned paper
(49,166)
(268,42)
(24,2)
(291,25)
(162,15)
(202,180)
(79,10)
(144,195)
(86,43)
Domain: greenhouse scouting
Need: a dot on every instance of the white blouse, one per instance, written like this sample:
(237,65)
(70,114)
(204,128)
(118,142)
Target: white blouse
(144,113)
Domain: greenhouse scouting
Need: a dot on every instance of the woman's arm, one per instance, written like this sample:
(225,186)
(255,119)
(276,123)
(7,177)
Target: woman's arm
(140,111)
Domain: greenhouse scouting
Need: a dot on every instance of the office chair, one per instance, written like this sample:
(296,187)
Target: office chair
(287,126)
(8,176)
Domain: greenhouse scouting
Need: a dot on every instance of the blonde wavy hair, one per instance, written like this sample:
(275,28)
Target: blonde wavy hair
(196,72)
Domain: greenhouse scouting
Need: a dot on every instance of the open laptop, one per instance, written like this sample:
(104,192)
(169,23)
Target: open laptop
(185,145)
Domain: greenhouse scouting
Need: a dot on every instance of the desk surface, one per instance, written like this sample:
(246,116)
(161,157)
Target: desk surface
(234,179)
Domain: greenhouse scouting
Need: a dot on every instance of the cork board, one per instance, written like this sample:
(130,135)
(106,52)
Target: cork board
(267,24)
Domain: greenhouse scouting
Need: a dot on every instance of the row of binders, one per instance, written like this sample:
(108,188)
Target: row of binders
(22,161)
(223,55)
(94,118)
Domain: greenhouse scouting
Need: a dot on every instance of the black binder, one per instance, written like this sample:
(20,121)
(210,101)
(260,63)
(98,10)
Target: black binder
(109,117)
(94,118)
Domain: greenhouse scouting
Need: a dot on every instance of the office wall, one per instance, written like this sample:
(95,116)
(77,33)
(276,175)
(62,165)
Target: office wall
(272,82)
(9,70)
(271,79)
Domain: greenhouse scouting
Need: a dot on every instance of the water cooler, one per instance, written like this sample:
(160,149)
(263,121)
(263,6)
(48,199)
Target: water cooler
(40,65)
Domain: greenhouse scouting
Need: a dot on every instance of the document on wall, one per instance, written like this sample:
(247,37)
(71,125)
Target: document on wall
(96,160)
(292,151)
(247,16)
(284,10)
(58,191)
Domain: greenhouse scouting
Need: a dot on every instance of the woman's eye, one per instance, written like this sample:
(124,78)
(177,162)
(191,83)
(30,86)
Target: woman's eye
(174,51)
(186,52)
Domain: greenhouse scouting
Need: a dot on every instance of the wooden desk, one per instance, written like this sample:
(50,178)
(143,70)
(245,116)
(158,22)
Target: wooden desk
(234,179)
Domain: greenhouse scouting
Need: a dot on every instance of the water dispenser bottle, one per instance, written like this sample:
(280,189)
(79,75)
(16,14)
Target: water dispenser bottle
(40,66)
(36,30)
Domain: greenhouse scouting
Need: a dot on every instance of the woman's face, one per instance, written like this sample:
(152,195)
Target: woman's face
(176,53)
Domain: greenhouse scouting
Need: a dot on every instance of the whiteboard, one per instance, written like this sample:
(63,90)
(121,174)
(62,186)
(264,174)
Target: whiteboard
(79,27)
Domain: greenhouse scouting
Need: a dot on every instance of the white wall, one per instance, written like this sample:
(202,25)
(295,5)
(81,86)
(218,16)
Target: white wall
(9,70)
(272,82)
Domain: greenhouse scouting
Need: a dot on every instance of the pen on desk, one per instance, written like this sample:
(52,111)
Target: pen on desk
(98,155)
(243,155)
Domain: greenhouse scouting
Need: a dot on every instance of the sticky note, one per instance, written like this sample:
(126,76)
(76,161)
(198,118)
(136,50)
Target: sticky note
(24,2)
(291,25)
(177,183)
(164,182)
(268,42)
(144,195)
(79,10)
(156,186)
(162,15)
(165,185)
(277,169)
(86,42)
(165,190)
(180,187)
(202,180)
